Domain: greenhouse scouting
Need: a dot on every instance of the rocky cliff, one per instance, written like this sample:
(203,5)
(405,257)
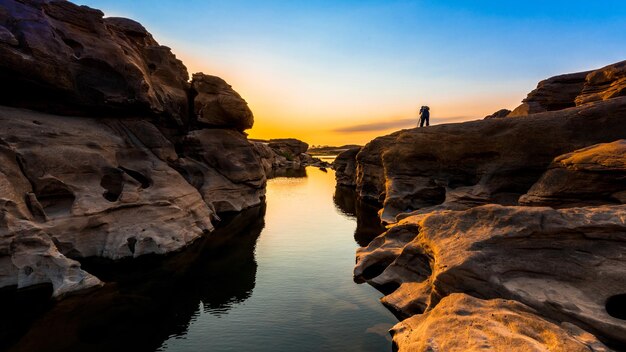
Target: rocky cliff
(509,231)
(108,150)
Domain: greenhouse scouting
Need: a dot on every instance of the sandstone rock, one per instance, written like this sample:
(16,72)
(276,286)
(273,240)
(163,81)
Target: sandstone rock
(224,167)
(290,148)
(603,84)
(71,60)
(345,167)
(566,264)
(217,105)
(87,182)
(478,162)
(464,323)
(555,93)
(498,114)
(593,175)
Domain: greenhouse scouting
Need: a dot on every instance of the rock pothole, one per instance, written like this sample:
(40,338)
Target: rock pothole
(616,306)
(113,183)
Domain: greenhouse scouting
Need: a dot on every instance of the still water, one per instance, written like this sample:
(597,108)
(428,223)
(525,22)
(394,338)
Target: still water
(273,278)
(304,298)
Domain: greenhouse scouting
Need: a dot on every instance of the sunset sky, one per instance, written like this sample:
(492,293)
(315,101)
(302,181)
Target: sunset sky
(339,72)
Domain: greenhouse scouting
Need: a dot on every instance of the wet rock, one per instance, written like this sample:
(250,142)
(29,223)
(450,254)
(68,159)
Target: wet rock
(592,175)
(464,323)
(217,105)
(71,60)
(566,264)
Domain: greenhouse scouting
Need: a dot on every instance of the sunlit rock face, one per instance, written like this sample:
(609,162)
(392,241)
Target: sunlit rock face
(111,160)
(464,323)
(564,263)
(476,252)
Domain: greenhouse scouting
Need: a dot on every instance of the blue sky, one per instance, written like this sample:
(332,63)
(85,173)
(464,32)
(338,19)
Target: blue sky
(312,69)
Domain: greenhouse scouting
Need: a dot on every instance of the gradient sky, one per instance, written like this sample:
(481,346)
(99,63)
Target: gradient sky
(338,72)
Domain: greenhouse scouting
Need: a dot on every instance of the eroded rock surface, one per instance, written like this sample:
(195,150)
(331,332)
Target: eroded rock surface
(472,265)
(564,263)
(345,167)
(464,323)
(135,172)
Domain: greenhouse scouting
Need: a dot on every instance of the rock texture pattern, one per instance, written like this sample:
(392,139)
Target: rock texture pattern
(135,172)
(476,259)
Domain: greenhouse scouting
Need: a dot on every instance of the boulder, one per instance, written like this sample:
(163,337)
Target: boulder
(463,323)
(566,264)
(555,93)
(217,105)
(498,114)
(592,175)
(477,162)
(60,57)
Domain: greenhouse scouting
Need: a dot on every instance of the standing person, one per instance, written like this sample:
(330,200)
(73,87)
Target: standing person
(424,116)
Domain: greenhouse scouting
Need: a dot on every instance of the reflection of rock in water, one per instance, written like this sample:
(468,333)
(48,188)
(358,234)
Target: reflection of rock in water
(368,225)
(288,172)
(149,299)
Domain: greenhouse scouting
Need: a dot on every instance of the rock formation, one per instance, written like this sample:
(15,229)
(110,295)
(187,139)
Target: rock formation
(118,156)
(288,153)
(498,114)
(475,252)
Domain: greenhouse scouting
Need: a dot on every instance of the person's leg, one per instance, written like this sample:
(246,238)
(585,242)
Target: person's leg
(421,122)
(428,121)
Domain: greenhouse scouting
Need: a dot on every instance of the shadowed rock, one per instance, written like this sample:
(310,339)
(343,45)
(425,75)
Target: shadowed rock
(64,58)
(593,175)
(217,105)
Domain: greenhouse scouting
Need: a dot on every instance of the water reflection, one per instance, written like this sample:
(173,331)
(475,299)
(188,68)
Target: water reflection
(368,226)
(151,299)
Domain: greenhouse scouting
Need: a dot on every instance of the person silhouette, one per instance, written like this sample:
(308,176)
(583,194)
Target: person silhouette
(424,116)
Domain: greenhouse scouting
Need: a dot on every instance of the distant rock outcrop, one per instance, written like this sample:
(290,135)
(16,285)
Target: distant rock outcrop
(475,250)
(287,153)
(119,155)
(498,114)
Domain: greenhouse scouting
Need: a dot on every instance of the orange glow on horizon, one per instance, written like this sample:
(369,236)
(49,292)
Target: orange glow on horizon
(288,107)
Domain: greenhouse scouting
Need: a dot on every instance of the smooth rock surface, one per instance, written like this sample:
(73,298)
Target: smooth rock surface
(592,175)
(603,84)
